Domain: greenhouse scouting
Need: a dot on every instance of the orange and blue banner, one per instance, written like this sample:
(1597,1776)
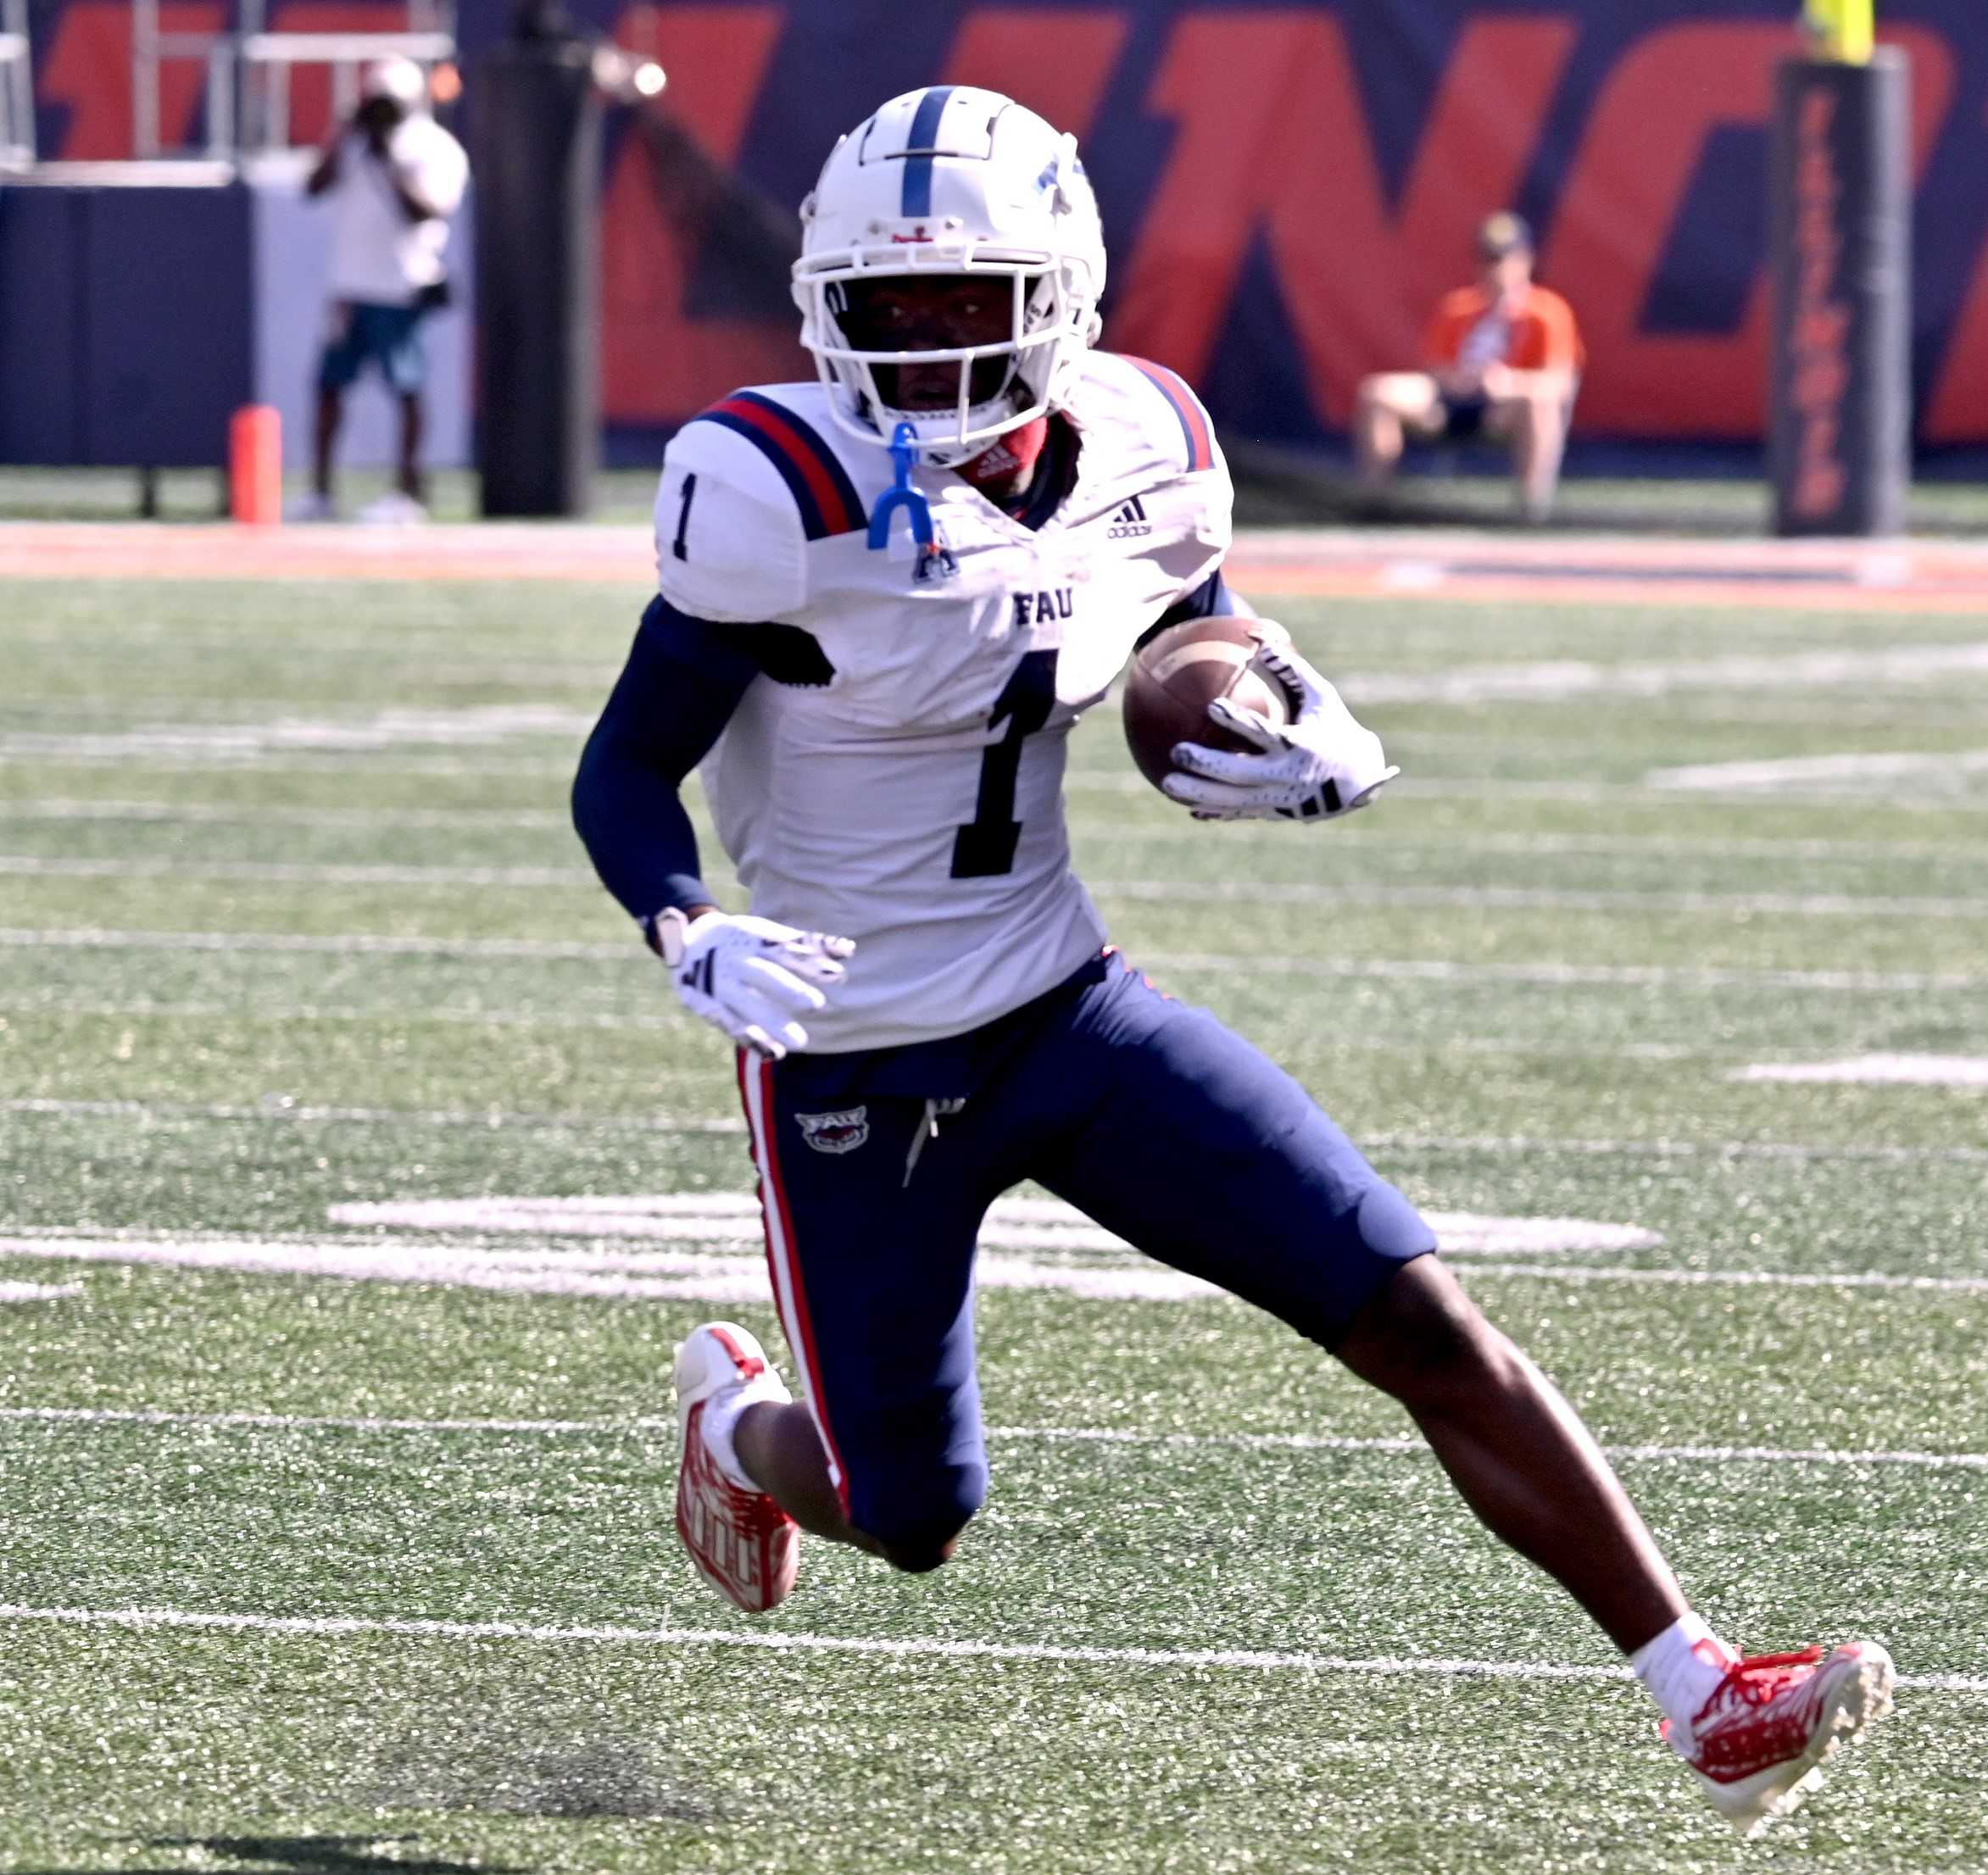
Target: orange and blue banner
(1287,188)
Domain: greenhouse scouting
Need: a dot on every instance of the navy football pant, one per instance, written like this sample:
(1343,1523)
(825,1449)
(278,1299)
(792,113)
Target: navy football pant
(1149,1116)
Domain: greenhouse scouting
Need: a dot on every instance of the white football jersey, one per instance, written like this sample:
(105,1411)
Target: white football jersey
(895,773)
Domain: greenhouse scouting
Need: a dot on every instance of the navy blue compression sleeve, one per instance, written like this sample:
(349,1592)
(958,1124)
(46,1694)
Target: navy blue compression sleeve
(1211,599)
(683,678)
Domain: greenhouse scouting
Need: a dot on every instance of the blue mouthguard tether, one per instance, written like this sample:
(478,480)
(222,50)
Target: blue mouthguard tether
(904,454)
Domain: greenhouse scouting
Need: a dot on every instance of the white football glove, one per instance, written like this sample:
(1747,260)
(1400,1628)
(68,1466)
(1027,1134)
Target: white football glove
(1317,766)
(750,977)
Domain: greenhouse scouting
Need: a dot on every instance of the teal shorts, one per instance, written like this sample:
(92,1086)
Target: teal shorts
(390,334)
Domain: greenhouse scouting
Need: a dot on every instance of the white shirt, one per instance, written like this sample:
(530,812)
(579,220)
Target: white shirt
(378,256)
(842,802)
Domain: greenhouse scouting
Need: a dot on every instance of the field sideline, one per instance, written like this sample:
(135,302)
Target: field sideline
(358,1173)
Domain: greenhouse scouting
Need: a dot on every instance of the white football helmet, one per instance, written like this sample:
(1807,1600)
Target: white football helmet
(953,180)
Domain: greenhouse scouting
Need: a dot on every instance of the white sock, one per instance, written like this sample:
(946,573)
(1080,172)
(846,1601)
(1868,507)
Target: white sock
(1682,1667)
(719,1422)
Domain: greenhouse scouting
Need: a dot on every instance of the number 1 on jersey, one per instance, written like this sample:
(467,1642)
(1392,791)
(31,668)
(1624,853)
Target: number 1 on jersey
(985,847)
(681,546)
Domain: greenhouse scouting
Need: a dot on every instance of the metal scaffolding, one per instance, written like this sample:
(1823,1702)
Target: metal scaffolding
(17,87)
(248,82)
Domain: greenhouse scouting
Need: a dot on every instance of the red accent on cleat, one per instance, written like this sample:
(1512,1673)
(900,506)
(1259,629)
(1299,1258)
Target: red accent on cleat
(749,1366)
(1774,1720)
(743,1542)
(1760,1714)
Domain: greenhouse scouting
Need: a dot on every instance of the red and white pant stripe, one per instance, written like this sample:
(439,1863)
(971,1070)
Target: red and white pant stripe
(755,1089)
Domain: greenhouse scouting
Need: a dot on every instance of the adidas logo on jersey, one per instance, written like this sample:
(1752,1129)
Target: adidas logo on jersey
(1130,522)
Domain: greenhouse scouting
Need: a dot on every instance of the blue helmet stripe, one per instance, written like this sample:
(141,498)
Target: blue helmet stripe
(917,198)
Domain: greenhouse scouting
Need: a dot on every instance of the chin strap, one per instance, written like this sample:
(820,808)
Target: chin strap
(904,454)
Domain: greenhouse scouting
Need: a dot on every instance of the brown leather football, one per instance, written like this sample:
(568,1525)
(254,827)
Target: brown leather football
(1173,678)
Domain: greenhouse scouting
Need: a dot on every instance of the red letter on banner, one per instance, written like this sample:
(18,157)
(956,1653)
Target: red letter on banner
(1958,410)
(1270,133)
(658,364)
(1619,212)
(89,69)
(1056,64)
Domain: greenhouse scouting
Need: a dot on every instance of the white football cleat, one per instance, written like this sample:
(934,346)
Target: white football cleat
(747,1548)
(393,509)
(1759,1744)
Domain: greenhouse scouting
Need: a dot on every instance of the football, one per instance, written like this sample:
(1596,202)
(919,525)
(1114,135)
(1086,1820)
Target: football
(1176,674)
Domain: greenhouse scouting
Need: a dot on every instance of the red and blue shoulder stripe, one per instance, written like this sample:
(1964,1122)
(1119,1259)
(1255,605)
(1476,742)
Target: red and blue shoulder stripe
(813,472)
(1194,427)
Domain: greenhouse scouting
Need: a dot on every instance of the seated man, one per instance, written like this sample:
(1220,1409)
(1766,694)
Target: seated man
(1503,357)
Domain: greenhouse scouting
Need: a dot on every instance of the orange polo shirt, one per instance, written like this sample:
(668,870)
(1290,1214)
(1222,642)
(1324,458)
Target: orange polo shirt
(1540,336)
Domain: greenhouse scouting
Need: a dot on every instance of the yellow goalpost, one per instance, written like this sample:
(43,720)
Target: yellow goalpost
(1842,29)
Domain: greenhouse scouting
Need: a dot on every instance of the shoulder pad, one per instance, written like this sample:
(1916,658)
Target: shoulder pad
(747,487)
(1195,449)
(729,545)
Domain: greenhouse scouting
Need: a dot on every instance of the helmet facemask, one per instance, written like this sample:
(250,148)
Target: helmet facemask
(950,183)
(959,390)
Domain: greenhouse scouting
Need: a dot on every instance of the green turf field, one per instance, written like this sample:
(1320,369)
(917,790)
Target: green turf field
(1274,488)
(378,1564)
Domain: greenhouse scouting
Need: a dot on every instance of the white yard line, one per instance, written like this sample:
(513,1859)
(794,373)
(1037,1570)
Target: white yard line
(1744,1279)
(1567,678)
(594,1274)
(1520,1145)
(1011,1223)
(666,1019)
(1319,1442)
(1598,845)
(1429,970)
(590,1264)
(642,1428)
(340,944)
(669,1021)
(1603,975)
(283,1112)
(633,1427)
(1877,770)
(296,1112)
(39,1292)
(787,1642)
(325,762)
(1785,904)
(560,772)
(1916,1070)
(1652,788)
(239,738)
(171,812)
(289,872)
(599,1271)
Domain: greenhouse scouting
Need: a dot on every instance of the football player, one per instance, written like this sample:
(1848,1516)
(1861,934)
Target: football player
(925,1007)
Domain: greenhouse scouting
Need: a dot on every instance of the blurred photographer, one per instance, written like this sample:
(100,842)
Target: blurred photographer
(394,178)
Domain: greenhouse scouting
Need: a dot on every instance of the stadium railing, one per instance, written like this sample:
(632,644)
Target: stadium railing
(267,59)
(248,71)
(17,87)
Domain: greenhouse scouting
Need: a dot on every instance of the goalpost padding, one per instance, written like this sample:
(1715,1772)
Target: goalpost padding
(1840,387)
(535,125)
